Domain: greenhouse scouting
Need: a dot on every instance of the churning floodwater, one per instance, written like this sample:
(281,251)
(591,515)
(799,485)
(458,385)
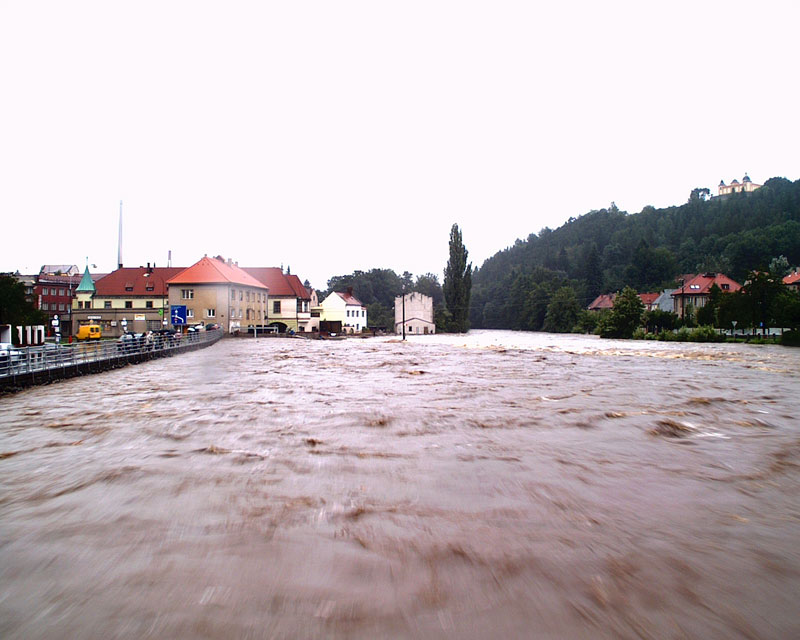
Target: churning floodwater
(494,485)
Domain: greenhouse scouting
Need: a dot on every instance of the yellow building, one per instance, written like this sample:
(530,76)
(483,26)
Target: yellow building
(130,299)
(215,291)
(289,301)
(746,186)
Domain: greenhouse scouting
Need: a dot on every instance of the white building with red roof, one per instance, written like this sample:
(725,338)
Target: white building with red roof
(695,291)
(344,307)
(216,291)
(289,301)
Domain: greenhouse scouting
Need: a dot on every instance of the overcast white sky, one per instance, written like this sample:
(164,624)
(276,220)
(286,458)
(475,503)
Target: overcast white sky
(334,136)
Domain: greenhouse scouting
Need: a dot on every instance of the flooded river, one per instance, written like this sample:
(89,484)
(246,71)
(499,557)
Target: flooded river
(495,485)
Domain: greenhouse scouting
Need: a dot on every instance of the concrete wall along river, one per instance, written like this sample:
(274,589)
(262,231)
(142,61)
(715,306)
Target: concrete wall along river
(489,485)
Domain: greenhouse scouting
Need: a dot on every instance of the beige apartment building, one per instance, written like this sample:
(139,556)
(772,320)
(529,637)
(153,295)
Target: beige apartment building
(216,291)
(417,313)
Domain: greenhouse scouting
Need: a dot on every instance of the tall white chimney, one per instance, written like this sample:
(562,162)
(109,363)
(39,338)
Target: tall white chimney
(119,248)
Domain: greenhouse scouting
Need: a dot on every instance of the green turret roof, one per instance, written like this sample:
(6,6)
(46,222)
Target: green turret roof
(87,284)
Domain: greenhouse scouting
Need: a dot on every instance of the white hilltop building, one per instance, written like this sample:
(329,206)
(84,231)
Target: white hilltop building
(418,314)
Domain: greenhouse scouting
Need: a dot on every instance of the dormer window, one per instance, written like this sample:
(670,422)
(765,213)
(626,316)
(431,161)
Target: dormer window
(726,287)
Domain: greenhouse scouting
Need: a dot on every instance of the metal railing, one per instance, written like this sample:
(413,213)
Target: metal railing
(20,361)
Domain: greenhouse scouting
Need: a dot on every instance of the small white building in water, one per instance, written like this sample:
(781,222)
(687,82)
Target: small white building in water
(418,314)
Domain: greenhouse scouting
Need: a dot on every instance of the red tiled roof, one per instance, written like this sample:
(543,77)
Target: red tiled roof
(349,298)
(298,287)
(117,282)
(701,285)
(603,301)
(792,278)
(215,271)
(279,283)
(648,298)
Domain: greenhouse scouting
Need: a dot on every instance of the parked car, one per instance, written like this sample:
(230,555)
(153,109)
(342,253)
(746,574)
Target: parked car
(212,327)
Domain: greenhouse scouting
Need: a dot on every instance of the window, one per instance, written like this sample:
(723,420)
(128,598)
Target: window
(61,306)
(61,292)
(241,295)
(45,306)
(211,313)
(248,296)
(187,294)
(726,287)
(149,286)
(129,304)
(106,304)
(233,295)
(276,306)
(189,313)
(45,291)
(128,287)
(148,304)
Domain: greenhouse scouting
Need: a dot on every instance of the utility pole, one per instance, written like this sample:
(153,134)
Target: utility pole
(404,313)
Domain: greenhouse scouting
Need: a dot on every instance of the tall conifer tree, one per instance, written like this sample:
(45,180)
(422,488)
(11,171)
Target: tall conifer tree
(458,282)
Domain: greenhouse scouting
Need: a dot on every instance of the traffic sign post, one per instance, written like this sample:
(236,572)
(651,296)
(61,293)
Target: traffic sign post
(177,312)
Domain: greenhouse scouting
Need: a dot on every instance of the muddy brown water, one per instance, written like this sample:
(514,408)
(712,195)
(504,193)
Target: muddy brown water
(490,485)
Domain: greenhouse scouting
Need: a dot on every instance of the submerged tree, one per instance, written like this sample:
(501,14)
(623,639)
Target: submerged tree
(625,317)
(458,282)
(562,312)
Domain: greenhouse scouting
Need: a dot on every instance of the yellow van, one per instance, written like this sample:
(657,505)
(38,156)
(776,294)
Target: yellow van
(89,332)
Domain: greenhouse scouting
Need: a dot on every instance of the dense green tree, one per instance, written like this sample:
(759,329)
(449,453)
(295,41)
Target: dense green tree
(428,284)
(14,308)
(657,320)
(625,316)
(562,312)
(607,249)
(380,316)
(708,314)
(458,282)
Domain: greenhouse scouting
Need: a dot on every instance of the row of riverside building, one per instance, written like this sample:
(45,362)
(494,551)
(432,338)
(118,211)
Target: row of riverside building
(213,291)
(694,291)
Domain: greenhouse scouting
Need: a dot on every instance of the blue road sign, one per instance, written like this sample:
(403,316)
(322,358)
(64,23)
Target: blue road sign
(178,313)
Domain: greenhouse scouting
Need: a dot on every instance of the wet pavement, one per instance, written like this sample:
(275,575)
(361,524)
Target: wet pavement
(491,485)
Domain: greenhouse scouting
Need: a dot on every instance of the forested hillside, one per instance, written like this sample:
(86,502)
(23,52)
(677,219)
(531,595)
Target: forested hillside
(606,250)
